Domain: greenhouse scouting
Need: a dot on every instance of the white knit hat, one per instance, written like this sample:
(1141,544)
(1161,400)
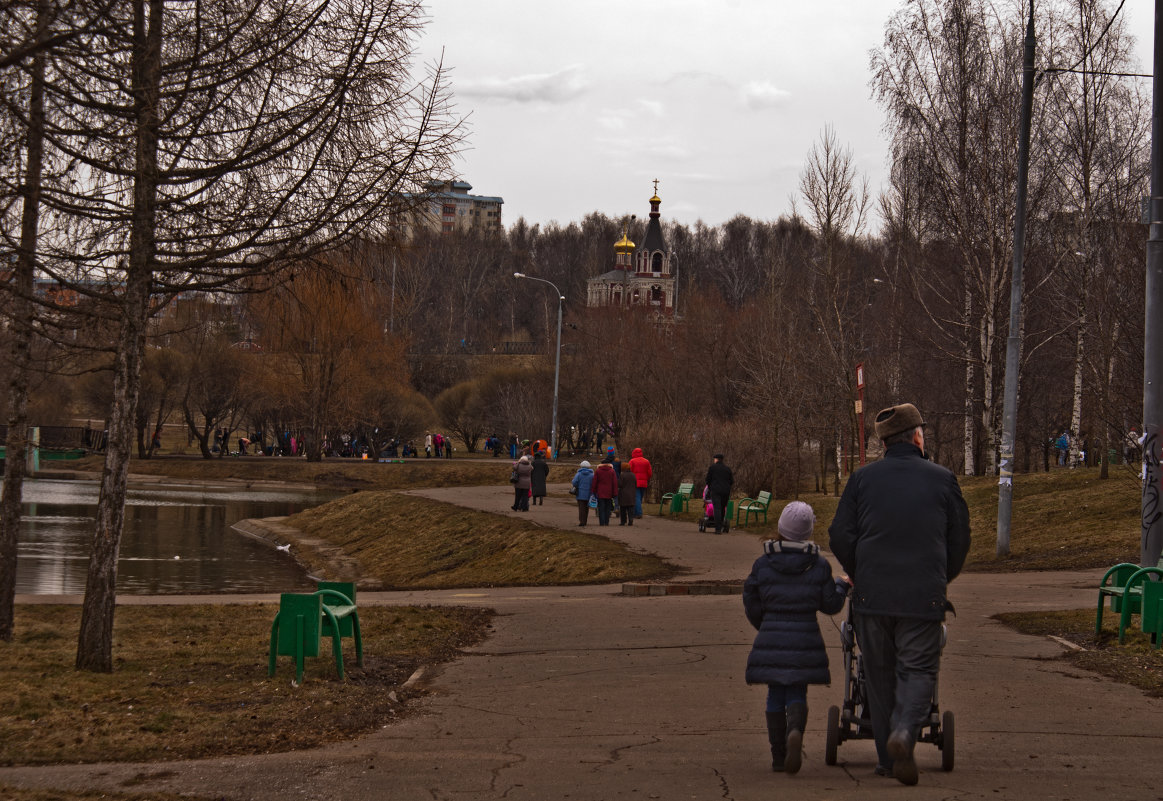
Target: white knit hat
(796,522)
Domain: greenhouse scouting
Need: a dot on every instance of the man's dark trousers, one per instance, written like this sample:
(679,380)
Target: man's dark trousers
(720,502)
(901,658)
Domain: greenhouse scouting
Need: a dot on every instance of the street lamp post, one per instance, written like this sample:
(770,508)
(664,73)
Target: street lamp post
(557,363)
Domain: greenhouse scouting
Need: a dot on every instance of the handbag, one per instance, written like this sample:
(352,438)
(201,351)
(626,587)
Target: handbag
(513,476)
(593,501)
(573,490)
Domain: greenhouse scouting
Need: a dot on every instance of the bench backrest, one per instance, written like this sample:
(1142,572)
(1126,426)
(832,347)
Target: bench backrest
(764,498)
(345,587)
(686,488)
(300,619)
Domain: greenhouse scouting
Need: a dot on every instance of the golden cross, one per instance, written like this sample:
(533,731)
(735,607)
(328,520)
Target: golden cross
(656,186)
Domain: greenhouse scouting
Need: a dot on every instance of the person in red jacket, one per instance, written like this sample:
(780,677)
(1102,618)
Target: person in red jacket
(606,488)
(640,466)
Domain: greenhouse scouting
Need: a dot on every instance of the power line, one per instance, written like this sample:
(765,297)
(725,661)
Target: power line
(1074,67)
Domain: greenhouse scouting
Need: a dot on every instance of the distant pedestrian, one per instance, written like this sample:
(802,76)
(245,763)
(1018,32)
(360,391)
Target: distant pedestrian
(522,481)
(787,586)
(613,460)
(428,445)
(540,475)
(641,468)
(719,481)
(1062,444)
(582,484)
(606,488)
(627,494)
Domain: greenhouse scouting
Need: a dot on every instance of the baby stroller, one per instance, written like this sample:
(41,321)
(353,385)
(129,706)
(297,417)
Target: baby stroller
(708,518)
(854,721)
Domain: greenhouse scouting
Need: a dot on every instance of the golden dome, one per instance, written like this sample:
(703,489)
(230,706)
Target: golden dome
(656,198)
(624,245)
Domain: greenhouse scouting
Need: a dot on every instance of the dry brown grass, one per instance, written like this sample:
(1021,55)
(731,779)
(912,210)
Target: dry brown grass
(417,543)
(1062,520)
(192,682)
(1135,662)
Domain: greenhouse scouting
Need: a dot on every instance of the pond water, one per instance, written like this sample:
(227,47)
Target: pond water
(177,539)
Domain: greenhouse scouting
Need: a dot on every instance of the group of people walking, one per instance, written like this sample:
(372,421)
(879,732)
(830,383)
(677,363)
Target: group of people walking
(612,481)
(528,480)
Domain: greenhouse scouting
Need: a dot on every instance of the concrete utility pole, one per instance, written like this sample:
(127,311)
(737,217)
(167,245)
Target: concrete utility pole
(557,363)
(1152,510)
(1005,480)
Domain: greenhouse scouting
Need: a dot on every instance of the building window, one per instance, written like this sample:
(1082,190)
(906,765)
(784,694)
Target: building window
(656,263)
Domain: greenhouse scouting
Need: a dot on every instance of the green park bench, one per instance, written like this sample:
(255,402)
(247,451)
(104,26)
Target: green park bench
(1151,618)
(1124,584)
(678,500)
(757,506)
(305,618)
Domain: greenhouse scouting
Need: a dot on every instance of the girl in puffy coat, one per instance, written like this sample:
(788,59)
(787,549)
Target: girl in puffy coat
(787,586)
(583,481)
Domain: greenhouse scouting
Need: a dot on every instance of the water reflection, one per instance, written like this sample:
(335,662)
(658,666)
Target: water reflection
(176,540)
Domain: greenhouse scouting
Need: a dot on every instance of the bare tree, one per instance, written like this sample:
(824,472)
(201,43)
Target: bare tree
(1099,132)
(837,200)
(947,76)
(210,143)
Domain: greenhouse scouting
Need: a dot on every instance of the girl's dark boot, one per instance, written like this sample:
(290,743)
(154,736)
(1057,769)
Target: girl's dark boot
(777,738)
(797,719)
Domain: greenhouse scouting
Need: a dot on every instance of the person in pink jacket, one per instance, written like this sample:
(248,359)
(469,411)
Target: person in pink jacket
(640,466)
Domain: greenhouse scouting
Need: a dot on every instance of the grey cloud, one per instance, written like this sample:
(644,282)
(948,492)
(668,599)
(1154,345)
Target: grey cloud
(553,87)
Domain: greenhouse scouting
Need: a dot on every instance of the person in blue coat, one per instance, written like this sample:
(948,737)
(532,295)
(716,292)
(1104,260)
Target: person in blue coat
(583,482)
(787,586)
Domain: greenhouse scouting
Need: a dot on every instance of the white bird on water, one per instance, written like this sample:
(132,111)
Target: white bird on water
(284,548)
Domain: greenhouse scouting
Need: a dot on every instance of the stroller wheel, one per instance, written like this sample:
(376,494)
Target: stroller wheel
(833,741)
(947,742)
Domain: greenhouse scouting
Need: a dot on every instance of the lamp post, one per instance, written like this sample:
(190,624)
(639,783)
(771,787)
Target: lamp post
(557,363)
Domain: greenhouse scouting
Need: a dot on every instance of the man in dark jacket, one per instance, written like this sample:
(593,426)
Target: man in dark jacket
(719,482)
(901,532)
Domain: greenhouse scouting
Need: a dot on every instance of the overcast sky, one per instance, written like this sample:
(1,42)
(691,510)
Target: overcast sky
(576,107)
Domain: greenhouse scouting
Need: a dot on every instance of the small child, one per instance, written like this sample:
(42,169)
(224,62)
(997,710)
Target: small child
(787,586)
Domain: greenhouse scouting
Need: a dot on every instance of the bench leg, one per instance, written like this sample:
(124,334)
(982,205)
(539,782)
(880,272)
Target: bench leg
(358,638)
(1125,618)
(336,643)
(300,636)
(1098,615)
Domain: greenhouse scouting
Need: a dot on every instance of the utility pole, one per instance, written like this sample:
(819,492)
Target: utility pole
(1152,509)
(1005,480)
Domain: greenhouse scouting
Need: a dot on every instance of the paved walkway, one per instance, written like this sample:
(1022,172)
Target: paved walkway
(583,693)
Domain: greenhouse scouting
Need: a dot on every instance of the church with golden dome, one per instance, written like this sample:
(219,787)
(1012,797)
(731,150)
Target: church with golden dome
(642,277)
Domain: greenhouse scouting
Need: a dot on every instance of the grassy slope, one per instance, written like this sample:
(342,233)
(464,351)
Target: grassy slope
(409,542)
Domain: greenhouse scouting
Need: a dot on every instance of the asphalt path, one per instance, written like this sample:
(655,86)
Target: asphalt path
(587,693)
